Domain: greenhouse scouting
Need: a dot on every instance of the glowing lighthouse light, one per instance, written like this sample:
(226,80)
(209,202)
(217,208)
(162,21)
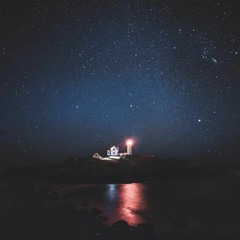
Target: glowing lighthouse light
(129,144)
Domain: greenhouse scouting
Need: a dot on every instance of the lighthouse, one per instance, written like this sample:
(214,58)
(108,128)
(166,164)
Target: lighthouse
(114,154)
(129,144)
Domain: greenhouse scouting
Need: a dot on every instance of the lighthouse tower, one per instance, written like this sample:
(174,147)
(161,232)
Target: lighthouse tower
(129,144)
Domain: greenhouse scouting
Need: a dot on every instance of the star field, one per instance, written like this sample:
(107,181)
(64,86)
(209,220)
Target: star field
(79,76)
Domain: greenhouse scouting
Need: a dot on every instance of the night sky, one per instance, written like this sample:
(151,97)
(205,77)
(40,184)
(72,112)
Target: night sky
(79,76)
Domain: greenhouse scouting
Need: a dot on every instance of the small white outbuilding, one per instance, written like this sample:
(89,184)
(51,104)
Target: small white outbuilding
(97,156)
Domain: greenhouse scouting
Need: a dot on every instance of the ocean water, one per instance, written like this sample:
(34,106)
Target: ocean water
(206,208)
(198,204)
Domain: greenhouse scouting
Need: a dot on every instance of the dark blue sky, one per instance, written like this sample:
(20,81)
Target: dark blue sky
(79,76)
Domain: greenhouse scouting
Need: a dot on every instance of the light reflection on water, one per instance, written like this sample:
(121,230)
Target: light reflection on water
(126,201)
(112,192)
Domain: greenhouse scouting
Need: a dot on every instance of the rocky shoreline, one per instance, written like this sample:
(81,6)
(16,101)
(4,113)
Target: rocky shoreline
(32,211)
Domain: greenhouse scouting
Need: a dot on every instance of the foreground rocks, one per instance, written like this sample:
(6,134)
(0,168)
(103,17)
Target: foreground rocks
(200,209)
(121,230)
(36,213)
